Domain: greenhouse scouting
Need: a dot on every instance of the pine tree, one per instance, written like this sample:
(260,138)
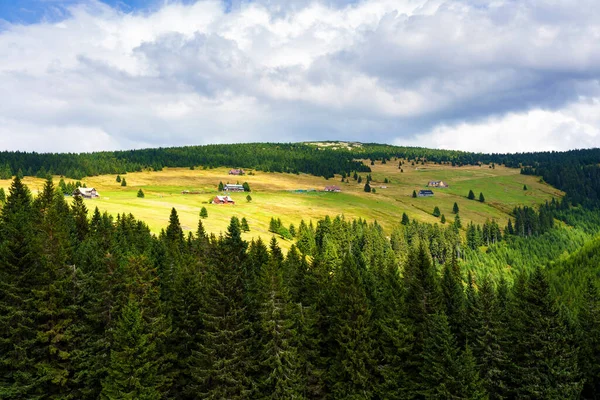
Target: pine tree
(453,297)
(280,363)
(405,219)
(19,272)
(351,371)
(79,211)
(440,370)
(544,355)
(589,340)
(134,370)
(490,344)
(244,225)
(220,367)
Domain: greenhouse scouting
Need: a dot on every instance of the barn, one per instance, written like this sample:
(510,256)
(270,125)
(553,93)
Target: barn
(223,200)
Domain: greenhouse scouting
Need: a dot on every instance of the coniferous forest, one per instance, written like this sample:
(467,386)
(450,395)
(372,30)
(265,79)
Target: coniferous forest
(94,306)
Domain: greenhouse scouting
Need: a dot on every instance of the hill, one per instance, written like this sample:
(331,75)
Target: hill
(275,195)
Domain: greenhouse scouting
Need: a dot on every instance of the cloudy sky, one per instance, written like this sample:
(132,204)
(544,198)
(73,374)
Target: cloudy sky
(481,75)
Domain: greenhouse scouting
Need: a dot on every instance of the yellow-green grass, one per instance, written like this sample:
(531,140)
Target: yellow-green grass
(272,196)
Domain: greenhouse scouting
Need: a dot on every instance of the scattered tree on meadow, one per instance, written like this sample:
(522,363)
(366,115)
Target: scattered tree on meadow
(248,198)
(436,211)
(203,212)
(140,193)
(455,208)
(481,198)
(471,195)
(123,182)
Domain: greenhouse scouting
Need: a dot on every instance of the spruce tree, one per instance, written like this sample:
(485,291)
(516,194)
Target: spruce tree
(455,208)
(414,194)
(141,194)
(436,211)
(203,212)
(123,182)
(220,367)
(543,352)
(351,371)
(19,273)
(481,198)
(490,346)
(471,195)
(244,225)
(2,195)
(589,340)
(405,219)
(367,187)
(280,363)
(135,367)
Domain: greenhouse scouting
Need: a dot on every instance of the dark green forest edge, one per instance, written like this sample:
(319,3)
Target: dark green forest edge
(95,306)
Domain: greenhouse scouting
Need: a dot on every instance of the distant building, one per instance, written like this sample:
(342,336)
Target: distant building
(223,200)
(233,188)
(425,193)
(333,188)
(437,184)
(87,193)
(236,172)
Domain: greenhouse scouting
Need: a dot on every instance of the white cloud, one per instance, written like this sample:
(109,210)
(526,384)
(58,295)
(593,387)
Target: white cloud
(573,127)
(451,73)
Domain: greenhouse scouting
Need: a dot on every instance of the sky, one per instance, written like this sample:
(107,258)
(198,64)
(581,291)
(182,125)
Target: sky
(475,75)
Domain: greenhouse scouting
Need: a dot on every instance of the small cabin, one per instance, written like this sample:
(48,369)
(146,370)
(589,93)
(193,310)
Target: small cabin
(437,184)
(223,200)
(233,188)
(425,193)
(86,193)
(333,189)
(236,172)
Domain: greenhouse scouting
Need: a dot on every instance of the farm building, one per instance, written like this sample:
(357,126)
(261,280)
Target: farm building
(233,188)
(223,200)
(425,193)
(236,172)
(88,193)
(437,184)
(332,188)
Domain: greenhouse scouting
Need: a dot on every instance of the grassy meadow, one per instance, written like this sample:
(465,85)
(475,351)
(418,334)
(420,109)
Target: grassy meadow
(273,196)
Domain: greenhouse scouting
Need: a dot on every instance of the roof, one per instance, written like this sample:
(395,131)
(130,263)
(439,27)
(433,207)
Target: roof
(225,198)
(233,185)
(425,191)
(86,191)
(333,187)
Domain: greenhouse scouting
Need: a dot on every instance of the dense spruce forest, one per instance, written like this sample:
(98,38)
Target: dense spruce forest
(93,306)
(576,172)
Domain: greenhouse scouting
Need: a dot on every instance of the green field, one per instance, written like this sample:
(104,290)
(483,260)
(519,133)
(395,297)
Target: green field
(272,196)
